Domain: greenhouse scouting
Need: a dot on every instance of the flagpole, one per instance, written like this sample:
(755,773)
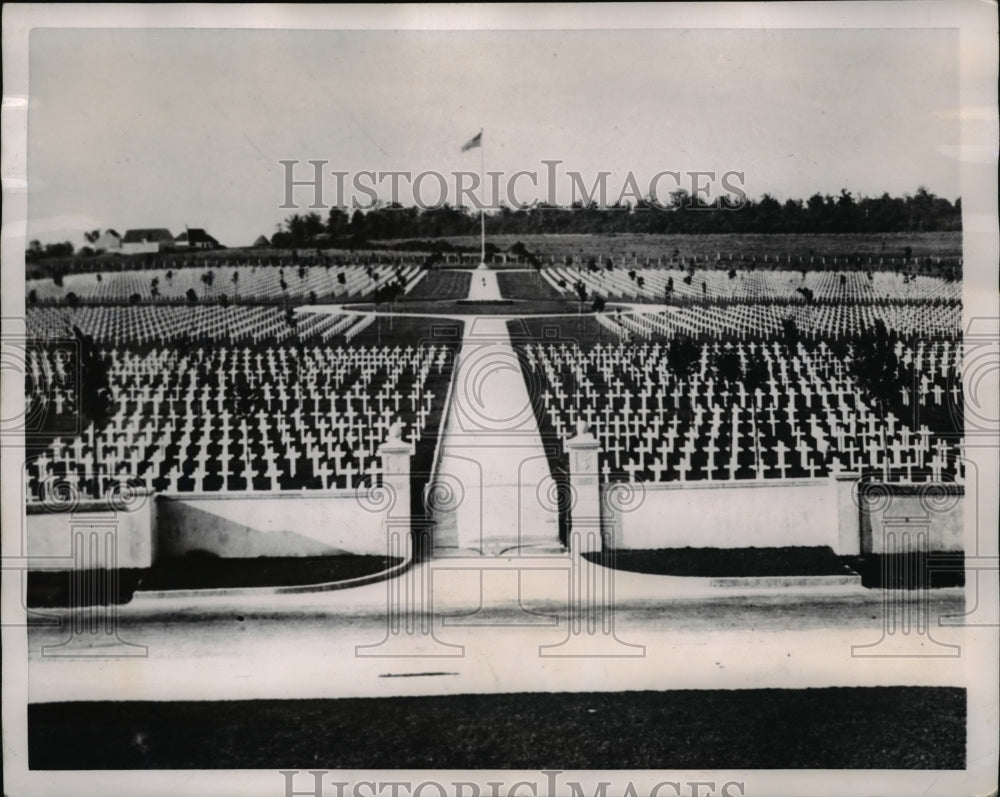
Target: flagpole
(482,204)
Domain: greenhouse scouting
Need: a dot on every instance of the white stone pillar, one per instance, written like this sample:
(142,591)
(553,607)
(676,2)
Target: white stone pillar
(591,614)
(409,626)
(848,513)
(396,454)
(584,477)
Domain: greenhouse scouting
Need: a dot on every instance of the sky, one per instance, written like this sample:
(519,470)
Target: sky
(185,127)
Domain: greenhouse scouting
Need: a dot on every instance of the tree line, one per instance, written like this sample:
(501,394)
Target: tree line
(845,213)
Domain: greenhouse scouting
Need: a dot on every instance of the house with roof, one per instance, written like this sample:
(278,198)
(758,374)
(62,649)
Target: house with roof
(108,241)
(151,239)
(196,238)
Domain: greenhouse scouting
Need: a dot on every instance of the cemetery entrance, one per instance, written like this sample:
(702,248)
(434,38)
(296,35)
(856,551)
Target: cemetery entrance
(492,492)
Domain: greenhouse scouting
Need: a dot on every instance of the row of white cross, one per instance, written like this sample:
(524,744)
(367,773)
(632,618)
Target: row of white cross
(655,426)
(242,281)
(756,285)
(155,324)
(741,321)
(181,424)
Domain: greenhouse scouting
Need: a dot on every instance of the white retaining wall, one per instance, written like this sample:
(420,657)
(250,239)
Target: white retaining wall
(723,514)
(91,534)
(925,517)
(880,518)
(237,525)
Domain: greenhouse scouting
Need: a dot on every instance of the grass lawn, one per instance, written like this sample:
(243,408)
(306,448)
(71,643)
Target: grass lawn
(440,285)
(817,560)
(832,728)
(909,571)
(203,572)
(464,307)
(525,285)
(877,571)
(403,331)
(49,589)
(922,244)
(582,329)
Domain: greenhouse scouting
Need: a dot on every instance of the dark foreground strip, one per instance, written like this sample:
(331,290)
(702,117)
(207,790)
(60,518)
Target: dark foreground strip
(834,728)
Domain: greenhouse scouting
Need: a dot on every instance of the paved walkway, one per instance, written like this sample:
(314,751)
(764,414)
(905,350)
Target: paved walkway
(494,488)
(494,492)
(484,287)
(327,645)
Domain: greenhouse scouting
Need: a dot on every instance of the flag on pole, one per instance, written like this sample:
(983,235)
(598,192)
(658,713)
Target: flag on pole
(475,141)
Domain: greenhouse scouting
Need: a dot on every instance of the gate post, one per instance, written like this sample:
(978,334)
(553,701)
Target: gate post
(585,489)
(591,611)
(395,454)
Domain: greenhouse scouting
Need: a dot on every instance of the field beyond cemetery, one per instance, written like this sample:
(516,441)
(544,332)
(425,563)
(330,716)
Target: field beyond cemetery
(922,244)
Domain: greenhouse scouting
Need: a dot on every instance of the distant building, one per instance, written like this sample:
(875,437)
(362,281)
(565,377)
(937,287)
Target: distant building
(196,238)
(147,240)
(107,241)
(261,242)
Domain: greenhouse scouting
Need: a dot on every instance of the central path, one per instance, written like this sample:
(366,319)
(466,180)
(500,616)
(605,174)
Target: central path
(484,287)
(493,492)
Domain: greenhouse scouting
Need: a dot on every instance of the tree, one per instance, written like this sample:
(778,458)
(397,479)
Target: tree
(191,295)
(876,369)
(790,333)
(728,368)
(682,356)
(97,403)
(64,249)
(755,373)
(338,222)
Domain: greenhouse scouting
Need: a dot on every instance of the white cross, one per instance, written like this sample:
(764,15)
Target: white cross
(781,449)
(803,449)
(712,450)
(349,471)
